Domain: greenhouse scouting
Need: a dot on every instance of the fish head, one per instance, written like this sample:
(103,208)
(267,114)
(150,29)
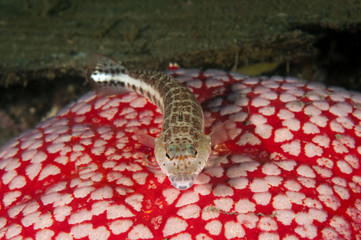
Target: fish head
(183,160)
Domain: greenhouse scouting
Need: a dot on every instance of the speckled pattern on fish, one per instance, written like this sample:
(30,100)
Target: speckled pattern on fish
(182,149)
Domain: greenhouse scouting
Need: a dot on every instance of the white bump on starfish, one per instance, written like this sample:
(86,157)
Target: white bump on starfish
(174,225)
(140,231)
(233,230)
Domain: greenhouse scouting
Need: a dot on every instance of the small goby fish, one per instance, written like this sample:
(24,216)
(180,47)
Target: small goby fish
(182,149)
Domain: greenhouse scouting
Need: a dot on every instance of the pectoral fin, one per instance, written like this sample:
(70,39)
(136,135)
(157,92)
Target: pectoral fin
(144,139)
(222,132)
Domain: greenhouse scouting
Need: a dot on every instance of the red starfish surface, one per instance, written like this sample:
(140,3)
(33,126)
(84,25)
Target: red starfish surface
(290,167)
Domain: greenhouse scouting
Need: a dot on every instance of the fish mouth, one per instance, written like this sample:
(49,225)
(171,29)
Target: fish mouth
(182,181)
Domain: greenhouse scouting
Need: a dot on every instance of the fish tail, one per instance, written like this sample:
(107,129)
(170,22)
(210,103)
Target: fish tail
(106,76)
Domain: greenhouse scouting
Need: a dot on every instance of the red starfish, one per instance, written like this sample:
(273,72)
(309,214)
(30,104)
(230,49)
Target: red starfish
(293,171)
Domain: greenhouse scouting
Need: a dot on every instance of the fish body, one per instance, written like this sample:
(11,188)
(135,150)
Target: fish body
(182,149)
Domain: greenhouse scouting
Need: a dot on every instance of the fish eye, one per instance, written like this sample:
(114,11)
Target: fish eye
(191,150)
(167,155)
